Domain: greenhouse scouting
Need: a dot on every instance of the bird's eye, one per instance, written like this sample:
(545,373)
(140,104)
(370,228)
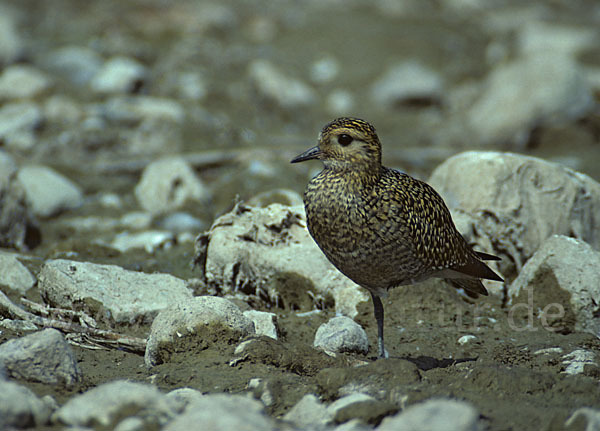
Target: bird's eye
(345,140)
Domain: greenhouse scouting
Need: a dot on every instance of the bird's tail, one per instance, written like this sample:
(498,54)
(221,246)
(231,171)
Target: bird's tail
(473,287)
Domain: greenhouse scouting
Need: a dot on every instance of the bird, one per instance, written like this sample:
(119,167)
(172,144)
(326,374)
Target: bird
(380,227)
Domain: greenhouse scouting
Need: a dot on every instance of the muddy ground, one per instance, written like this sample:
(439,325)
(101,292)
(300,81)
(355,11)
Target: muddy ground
(512,371)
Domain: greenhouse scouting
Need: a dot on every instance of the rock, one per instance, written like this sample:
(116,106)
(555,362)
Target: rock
(107,405)
(342,334)
(78,64)
(264,323)
(183,397)
(254,250)
(148,240)
(18,121)
(360,406)
(592,417)
(18,228)
(167,184)
(562,279)
(275,87)
(109,291)
(22,82)
(324,70)
(43,356)
(465,339)
(20,408)
(525,93)
(62,109)
(15,275)
(182,222)
(47,191)
(538,36)
(576,361)
(405,82)
(519,201)
(339,102)
(119,75)
(131,109)
(434,415)
(223,412)
(279,196)
(11,44)
(196,321)
(309,413)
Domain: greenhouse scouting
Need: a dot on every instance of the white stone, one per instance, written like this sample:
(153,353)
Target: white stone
(109,291)
(592,416)
(562,264)
(15,275)
(79,64)
(340,101)
(324,70)
(576,361)
(274,86)
(519,95)
(139,108)
(254,246)
(405,81)
(22,82)
(20,408)
(434,415)
(182,222)
(47,191)
(182,397)
(308,413)
(193,318)
(536,36)
(105,406)
(519,201)
(18,121)
(43,356)
(148,241)
(466,339)
(264,323)
(11,43)
(167,184)
(118,75)
(223,412)
(342,334)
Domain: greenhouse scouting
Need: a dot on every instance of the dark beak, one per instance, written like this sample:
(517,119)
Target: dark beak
(310,154)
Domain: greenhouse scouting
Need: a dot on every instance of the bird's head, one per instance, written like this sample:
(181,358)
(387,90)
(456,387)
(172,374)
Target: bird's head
(346,143)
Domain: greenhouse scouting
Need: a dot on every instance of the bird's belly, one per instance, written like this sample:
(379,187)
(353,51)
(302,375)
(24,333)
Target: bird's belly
(364,259)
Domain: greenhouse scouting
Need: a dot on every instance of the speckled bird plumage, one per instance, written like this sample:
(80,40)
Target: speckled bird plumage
(380,227)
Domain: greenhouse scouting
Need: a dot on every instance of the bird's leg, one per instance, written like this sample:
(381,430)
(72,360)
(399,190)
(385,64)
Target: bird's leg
(378,311)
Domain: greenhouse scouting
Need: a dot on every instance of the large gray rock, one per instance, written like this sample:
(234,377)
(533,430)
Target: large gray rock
(11,44)
(264,323)
(109,291)
(167,184)
(524,93)
(342,334)
(201,319)
(43,356)
(16,220)
(223,412)
(107,405)
(406,81)
(18,121)
(518,201)
(256,250)
(15,275)
(276,87)
(22,82)
(309,413)
(434,415)
(560,284)
(118,75)
(47,191)
(21,408)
